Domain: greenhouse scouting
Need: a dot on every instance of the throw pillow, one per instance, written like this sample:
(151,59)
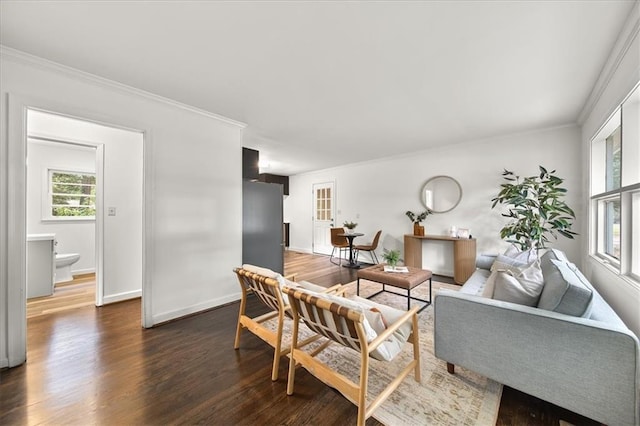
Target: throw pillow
(566,291)
(489,285)
(521,285)
(524,256)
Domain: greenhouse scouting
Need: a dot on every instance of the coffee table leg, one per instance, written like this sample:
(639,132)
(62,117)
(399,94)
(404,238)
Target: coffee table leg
(408,299)
(358,288)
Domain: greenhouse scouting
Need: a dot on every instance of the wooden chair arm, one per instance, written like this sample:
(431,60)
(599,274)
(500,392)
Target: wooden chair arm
(392,327)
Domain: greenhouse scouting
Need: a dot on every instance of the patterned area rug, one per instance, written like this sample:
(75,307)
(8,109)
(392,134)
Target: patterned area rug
(464,398)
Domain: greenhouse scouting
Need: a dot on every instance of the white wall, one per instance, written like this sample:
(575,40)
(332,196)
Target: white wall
(381,191)
(73,236)
(193,192)
(620,75)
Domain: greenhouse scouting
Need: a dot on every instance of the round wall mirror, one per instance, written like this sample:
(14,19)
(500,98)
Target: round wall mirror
(441,194)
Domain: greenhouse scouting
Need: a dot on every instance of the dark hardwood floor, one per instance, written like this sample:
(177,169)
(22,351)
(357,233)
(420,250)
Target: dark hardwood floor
(89,365)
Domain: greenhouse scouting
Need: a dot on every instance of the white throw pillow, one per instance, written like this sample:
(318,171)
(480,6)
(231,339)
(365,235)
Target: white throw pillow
(490,285)
(524,256)
(521,285)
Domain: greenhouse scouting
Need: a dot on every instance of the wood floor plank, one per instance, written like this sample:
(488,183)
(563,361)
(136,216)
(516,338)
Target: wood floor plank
(89,365)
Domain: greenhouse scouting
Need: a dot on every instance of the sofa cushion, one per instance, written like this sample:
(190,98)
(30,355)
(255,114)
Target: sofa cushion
(476,282)
(518,284)
(565,291)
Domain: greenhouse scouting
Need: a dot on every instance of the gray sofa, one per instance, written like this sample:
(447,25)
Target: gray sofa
(588,364)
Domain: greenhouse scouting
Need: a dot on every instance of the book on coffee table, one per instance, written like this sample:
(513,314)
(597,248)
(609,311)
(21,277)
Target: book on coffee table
(403,269)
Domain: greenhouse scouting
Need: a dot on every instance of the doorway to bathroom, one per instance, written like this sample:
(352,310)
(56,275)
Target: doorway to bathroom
(85,191)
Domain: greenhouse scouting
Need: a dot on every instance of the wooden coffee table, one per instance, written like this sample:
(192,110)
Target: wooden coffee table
(404,280)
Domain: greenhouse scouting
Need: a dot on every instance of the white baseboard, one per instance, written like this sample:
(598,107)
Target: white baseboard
(83,271)
(301,250)
(113,298)
(188,310)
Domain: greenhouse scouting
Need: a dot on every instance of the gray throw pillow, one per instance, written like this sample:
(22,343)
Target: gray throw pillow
(565,291)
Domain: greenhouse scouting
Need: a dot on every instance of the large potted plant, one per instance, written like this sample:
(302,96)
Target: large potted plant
(536,209)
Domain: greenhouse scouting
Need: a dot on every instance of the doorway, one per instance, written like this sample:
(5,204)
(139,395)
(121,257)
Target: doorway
(323,216)
(102,224)
(62,188)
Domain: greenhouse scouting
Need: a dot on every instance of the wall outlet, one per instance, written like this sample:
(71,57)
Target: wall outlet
(111,211)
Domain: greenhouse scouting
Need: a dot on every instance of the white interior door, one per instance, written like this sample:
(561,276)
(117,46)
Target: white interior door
(323,215)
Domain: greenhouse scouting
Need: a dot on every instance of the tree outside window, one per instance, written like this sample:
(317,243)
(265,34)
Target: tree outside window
(72,194)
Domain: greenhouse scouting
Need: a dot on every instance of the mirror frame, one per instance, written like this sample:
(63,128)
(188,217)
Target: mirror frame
(424,187)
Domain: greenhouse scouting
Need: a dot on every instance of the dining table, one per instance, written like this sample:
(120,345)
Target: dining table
(350,236)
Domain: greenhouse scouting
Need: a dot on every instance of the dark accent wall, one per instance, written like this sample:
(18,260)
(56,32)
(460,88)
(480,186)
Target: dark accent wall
(282,180)
(250,160)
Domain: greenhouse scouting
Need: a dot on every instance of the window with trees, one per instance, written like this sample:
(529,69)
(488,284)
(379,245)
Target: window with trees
(615,189)
(71,195)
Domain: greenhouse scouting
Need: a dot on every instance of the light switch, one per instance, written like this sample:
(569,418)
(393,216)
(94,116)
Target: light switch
(111,211)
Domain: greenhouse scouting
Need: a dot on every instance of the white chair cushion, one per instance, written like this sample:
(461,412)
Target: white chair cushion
(392,346)
(265,272)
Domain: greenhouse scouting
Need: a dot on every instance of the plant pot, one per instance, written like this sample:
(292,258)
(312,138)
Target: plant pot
(418,230)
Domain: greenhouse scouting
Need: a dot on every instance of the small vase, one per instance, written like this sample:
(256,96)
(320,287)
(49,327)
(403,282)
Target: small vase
(418,230)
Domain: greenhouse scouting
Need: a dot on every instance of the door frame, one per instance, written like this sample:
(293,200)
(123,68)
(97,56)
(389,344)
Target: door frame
(16,213)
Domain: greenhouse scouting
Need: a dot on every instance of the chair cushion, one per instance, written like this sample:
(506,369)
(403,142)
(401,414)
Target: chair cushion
(355,306)
(265,272)
(566,291)
(306,285)
(394,344)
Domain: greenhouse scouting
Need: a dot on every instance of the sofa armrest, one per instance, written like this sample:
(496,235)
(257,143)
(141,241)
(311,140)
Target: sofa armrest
(485,260)
(586,366)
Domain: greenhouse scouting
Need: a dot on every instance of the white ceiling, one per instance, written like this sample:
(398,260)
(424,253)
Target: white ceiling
(321,84)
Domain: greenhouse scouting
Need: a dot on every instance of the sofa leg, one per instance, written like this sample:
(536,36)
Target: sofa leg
(450,368)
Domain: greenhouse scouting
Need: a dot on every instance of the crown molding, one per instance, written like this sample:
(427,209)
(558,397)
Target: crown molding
(626,38)
(45,64)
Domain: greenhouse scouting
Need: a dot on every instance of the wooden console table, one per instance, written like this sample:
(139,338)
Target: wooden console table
(464,254)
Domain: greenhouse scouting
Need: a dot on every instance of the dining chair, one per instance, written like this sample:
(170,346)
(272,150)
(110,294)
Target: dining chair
(339,243)
(371,248)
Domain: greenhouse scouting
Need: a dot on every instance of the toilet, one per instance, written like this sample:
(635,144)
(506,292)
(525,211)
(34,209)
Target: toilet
(63,266)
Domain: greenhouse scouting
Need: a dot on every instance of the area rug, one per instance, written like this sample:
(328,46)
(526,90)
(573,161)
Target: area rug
(463,398)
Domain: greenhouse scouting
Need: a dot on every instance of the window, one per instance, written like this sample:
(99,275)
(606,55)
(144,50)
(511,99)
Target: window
(615,189)
(71,195)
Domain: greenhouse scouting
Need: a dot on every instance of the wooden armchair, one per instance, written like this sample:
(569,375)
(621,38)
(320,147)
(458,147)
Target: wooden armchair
(267,285)
(344,321)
